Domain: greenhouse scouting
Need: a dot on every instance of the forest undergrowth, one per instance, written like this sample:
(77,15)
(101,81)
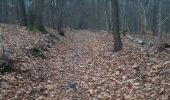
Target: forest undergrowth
(81,66)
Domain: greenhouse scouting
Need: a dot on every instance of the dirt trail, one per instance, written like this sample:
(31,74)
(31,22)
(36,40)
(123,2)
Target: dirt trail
(77,60)
(86,59)
(82,66)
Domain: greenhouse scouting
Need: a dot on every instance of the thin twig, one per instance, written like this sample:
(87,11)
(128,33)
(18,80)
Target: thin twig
(131,80)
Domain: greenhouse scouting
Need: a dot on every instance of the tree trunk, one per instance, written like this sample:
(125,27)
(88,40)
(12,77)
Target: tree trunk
(159,23)
(5,11)
(36,15)
(115,20)
(1,11)
(60,10)
(22,12)
(53,14)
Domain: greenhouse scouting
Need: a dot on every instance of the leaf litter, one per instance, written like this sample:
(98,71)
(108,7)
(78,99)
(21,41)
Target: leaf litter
(82,66)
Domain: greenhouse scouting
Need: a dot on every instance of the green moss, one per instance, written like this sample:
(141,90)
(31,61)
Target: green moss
(53,39)
(32,28)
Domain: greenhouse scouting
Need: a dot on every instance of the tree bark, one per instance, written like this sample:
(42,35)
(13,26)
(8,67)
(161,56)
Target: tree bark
(115,20)
(60,12)
(159,23)
(36,15)
(1,11)
(22,12)
(53,14)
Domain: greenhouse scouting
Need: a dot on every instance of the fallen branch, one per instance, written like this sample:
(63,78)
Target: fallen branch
(138,40)
(131,80)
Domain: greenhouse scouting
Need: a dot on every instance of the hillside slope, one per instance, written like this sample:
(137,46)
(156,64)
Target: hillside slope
(82,66)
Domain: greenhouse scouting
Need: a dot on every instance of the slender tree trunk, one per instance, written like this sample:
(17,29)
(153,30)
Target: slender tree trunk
(115,20)
(60,9)
(107,14)
(36,15)
(53,15)
(99,13)
(159,22)
(5,11)
(22,12)
(1,11)
(155,17)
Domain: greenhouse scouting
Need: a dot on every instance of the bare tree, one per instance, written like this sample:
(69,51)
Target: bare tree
(60,12)
(124,4)
(53,14)
(36,15)
(159,22)
(22,12)
(115,20)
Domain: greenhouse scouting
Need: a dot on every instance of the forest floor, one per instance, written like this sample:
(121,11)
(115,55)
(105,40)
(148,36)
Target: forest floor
(82,66)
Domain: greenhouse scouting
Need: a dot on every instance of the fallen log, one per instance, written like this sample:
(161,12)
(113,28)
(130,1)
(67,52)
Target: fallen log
(138,40)
(129,37)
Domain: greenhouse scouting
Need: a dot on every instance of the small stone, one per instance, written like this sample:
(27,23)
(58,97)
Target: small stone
(72,84)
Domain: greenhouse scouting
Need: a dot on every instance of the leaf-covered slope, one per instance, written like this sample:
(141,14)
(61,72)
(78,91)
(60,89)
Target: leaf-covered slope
(83,66)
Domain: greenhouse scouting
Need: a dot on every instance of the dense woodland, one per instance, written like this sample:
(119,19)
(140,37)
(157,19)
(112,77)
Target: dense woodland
(93,14)
(85,49)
